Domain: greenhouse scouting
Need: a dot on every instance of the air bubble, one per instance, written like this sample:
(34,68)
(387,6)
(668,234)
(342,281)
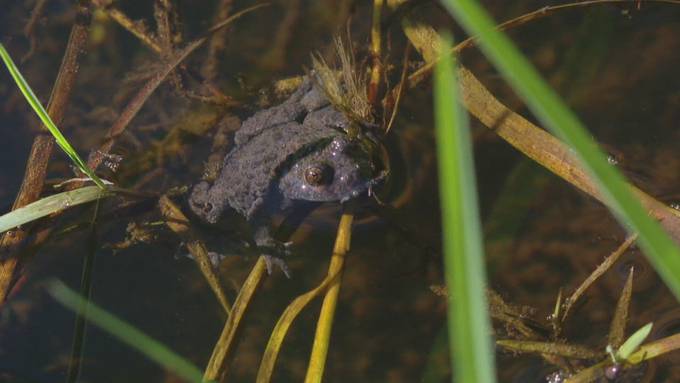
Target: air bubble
(612,160)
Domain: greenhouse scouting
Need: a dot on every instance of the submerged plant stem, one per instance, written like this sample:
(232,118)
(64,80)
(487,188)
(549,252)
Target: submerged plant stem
(317,359)
(85,290)
(318,356)
(376,52)
(217,365)
(135,105)
(137,29)
(178,223)
(597,273)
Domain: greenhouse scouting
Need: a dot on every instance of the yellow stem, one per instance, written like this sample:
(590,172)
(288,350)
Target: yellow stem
(317,359)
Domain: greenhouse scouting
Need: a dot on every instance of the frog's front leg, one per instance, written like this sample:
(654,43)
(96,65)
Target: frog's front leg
(294,214)
(271,249)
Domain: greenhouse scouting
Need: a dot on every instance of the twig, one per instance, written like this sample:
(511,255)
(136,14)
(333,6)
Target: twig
(597,273)
(143,94)
(167,25)
(29,28)
(400,89)
(138,29)
(551,348)
(167,36)
(276,56)
(217,43)
(376,52)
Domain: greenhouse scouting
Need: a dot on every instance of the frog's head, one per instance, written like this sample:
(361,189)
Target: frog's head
(339,170)
(204,204)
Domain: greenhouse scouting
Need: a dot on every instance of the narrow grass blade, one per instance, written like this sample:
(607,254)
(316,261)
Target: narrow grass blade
(148,346)
(468,319)
(45,118)
(217,365)
(93,245)
(324,325)
(546,105)
(278,334)
(52,204)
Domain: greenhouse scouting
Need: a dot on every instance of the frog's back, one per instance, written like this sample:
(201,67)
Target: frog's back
(306,98)
(250,171)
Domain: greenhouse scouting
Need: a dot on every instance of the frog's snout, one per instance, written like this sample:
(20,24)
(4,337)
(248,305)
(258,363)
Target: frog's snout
(207,208)
(200,203)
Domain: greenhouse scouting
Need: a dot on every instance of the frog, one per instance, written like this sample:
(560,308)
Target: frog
(296,152)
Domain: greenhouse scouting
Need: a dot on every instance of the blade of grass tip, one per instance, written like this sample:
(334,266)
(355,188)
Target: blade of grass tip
(617,329)
(52,204)
(45,118)
(468,319)
(148,346)
(546,105)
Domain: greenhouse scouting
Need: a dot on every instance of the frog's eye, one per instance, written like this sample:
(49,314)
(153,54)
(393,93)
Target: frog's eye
(207,207)
(316,175)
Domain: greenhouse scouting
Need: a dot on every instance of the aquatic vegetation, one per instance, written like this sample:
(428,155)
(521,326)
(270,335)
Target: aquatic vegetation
(345,86)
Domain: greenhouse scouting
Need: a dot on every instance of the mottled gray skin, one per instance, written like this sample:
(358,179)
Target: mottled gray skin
(265,171)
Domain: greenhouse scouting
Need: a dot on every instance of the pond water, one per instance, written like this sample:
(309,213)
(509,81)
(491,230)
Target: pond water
(615,66)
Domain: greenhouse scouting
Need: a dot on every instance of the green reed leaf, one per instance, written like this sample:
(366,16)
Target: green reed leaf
(45,118)
(472,352)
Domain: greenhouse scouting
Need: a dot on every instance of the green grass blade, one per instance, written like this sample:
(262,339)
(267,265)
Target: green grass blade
(45,118)
(546,105)
(148,346)
(469,325)
(633,343)
(48,205)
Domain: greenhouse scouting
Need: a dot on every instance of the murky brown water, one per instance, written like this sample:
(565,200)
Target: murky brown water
(618,70)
